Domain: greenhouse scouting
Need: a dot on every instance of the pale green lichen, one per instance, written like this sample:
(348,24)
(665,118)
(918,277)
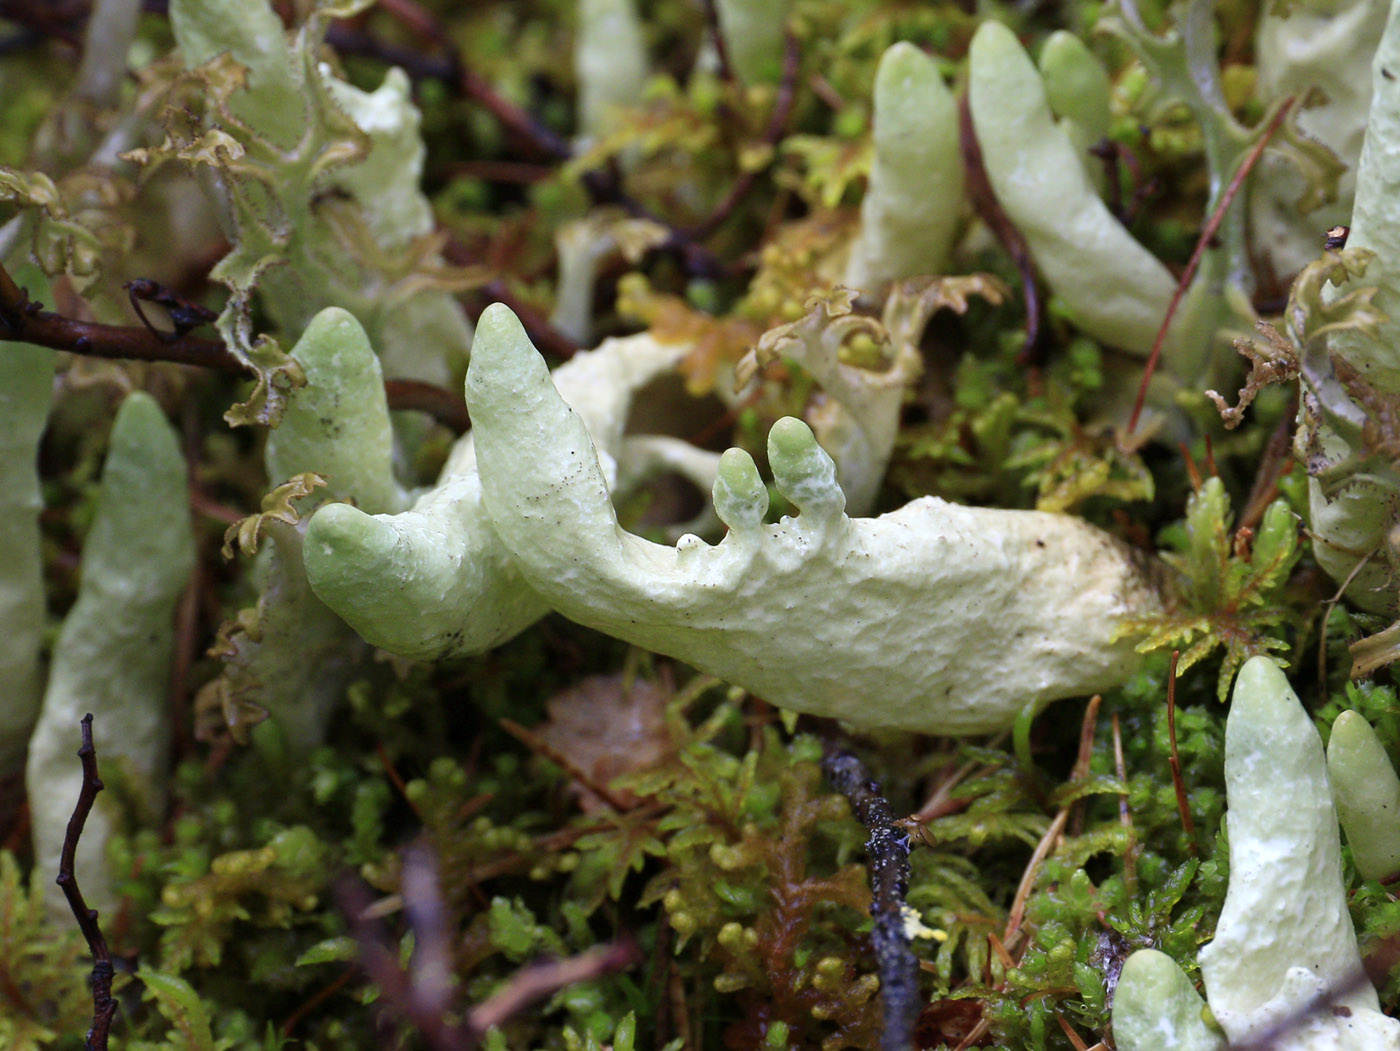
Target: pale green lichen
(436,581)
(280,130)
(915,198)
(610,61)
(1368,795)
(112,657)
(290,656)
(1300,48)
(26,388)
(1077,88)
(1284,964)
(753,37)
(1350,366)
(1116,290)
(892,622)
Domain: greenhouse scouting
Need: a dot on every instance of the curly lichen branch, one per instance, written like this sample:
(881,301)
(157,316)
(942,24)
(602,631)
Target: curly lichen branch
(1275,360)
(888,847)
(104,1007)
(1207,238)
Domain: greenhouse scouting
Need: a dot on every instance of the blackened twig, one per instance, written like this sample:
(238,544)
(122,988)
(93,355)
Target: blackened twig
(104,1008)
(24,321)
(185,314)
(888,847)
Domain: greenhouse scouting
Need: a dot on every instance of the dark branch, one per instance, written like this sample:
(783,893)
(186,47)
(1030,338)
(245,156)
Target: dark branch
(104,1008)
(22,320)
(888,847)
(726,71)
(441,404)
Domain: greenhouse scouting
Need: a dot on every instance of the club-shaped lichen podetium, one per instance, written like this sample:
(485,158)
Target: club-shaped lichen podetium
(914,200)
(935,618)
(1283,969)
(1117,290)
(112,657)
(1368,795)
(435,581)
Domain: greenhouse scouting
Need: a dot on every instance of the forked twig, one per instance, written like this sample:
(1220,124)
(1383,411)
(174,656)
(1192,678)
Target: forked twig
(104,1008)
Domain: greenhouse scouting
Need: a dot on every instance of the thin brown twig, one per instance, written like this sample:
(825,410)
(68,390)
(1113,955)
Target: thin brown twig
(1125,814)
(104,1007)
(441,404)
(1275,462)
(421,995)
(721,46)
(23,320)
(317,999)
(540,746)
(1203,242)
(380,961)
(1057,825)
(1182,806)
(777,123)
(542,334)
(1074,1037)
(541,980)
(1087,728)
(984,201)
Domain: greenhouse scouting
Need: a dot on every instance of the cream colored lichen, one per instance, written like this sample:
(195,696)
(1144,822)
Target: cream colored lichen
(435,581)
(937,617)
(1283,969)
